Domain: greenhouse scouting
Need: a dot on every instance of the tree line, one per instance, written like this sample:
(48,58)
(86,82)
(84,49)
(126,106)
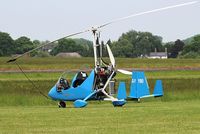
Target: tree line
(130,44)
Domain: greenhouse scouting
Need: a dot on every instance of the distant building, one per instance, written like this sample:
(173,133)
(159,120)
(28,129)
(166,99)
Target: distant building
(158,55)
(48,48)
(68,54)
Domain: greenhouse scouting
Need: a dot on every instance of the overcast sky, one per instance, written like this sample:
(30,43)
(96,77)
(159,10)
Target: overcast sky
(52,19)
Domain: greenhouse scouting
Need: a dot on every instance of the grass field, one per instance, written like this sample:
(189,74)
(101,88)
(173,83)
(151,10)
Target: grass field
(82,63)
(22,93)
(23,110)
(179,74)
(102,118)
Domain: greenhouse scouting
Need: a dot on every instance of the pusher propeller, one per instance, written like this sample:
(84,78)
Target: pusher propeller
(124,71)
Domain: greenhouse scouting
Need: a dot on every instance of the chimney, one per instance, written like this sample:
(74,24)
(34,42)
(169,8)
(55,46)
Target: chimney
(165,50)
(155,51)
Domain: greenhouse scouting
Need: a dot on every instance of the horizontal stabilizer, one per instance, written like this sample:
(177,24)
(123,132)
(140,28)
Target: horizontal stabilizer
(121,94)
(158,89)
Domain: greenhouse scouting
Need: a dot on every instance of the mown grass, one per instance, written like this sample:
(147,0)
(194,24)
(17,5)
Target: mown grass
(178,84)
(22,92)
(23,110)
(80,63)
(52,63)
(102,118)
(168,74)
(180,74)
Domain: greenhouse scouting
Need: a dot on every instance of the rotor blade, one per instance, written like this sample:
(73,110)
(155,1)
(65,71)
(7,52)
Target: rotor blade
(15,58)
(112,59)
(148,12)
(124,71)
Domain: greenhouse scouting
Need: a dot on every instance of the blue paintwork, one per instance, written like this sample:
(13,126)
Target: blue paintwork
(71,94)
(80,103)
(73,80)
(90,95)
(139,86)
(119,103)
(140,89)
(158,89)
(121,93)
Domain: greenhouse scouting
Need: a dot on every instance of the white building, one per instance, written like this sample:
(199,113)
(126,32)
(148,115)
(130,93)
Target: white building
(68,54)
(158,55)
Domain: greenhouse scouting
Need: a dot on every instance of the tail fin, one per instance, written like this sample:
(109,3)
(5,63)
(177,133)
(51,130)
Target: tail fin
(158,89)
(121,94)
(139,85)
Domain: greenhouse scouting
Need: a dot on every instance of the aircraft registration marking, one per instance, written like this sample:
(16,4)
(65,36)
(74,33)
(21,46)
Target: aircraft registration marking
(141,81)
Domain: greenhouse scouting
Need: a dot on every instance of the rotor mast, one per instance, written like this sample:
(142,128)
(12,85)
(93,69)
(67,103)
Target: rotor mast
(97,47)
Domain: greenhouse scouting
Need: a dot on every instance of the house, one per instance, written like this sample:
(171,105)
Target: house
(68,54)
(158,55)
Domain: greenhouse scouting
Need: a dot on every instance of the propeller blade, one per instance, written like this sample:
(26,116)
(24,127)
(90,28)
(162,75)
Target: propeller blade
(148,12)
(124,71)
(70,35)
(112,59)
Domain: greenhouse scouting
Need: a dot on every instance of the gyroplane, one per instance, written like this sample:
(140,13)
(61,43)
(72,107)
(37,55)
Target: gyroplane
(93,86)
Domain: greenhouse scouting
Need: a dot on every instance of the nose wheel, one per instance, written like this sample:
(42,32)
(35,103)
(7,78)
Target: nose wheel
(61,104)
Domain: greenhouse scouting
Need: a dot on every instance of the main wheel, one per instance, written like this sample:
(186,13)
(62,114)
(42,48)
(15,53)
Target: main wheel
(62,104)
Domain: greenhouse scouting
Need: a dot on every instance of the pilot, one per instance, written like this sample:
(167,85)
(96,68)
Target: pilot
(62,84)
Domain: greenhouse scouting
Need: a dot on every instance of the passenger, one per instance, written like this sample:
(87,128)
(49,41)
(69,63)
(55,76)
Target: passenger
(80,78)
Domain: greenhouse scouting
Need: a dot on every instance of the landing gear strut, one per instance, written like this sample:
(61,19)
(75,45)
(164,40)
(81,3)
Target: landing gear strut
(61,104)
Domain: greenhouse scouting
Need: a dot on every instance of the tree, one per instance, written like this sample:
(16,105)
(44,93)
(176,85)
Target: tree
(66,45)
(193,48)
(86,45)
(23,44)
(174,48)
(169,46)
(36,43)
(6,44)
(121,48)
(178,47)
(135,44)
(109,42)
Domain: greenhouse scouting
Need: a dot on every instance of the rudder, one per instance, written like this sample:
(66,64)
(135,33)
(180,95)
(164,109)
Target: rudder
(158,89)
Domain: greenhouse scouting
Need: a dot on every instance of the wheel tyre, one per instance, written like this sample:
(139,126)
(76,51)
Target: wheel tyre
(62,104)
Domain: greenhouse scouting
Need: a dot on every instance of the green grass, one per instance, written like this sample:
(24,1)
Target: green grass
(23,110)
(180,74)
(169,74)
(102,118)
(82,63)
(48,63)
(33,76)
(25,100)
(22,93)
(178,84)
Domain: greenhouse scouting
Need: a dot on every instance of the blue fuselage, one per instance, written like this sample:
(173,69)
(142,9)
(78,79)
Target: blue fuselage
(74,93)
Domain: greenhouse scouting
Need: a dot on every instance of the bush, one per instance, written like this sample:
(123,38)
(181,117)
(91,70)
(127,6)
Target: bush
(190,55)
(42,54)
